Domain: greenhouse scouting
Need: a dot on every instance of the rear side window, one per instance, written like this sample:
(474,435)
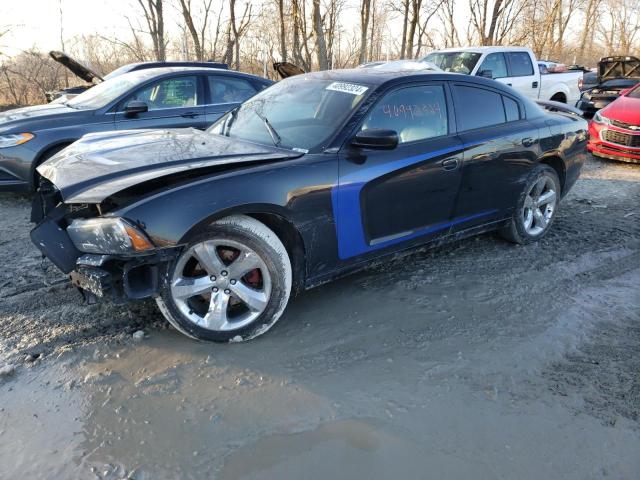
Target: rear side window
(477,108)
(519,64)
(511,109)
(224,89)
(415,113)
(496,64)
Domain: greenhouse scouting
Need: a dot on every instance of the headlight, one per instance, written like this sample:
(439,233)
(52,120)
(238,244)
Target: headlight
(599,118)
(107,235)
(15,139)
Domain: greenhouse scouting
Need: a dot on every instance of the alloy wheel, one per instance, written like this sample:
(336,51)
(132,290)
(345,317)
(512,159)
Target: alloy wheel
(221,285)
(539,205)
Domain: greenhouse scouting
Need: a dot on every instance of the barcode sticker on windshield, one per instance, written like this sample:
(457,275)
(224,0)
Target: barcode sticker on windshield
(351,88)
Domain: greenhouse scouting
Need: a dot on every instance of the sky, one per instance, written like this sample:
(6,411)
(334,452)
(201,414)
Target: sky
(36,23)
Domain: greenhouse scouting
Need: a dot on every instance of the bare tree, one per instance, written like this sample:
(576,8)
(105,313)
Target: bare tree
(153,11)
(198,35)
(365,14)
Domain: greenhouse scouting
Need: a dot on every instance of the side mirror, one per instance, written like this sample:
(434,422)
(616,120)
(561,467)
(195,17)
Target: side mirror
(376,138)
(485,73)
(134,107)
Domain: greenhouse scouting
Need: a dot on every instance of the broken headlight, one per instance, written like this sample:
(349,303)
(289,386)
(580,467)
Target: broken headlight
(107,235)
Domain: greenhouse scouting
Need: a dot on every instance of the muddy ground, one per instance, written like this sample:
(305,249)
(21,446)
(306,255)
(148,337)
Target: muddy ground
(478,360)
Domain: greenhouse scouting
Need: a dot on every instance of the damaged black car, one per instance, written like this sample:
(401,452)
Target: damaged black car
(313,178)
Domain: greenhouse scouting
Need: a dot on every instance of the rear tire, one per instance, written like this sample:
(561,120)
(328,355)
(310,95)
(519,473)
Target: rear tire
(536,207)
(231,283)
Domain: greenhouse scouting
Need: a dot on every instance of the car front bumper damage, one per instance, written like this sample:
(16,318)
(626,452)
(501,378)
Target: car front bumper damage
(113,278)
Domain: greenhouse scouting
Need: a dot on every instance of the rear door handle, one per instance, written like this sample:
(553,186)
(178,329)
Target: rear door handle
(190,115)
(450,164)
(527,142)
(509,85)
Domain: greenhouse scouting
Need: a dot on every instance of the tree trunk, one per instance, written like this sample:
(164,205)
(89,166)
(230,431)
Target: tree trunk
(283,31)
(318,30)
(365,13)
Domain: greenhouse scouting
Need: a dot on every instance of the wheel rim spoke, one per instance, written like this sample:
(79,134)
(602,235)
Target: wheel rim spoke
(539,187)
(216,317)
(242,265)
(207,255)
(255,300)
(184,287)
(541,220)
(548,197)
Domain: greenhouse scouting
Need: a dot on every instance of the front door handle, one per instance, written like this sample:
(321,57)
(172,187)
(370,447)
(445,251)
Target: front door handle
(509,85)
(527,142)
(450,164)
(190,115)
(534,85)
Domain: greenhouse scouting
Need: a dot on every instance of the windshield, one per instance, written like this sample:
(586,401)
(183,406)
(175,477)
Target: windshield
(456,62)
(107,91)
(635,93)
(299,113)
(117,72)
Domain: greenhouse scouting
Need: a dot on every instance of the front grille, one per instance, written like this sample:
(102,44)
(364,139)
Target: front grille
(621,138)
(628,126)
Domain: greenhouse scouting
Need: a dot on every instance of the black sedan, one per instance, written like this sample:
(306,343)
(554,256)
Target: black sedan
(152,98)
(316,176)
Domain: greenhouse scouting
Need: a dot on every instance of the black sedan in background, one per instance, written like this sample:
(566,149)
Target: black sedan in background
(615,74)
(152,98)
(317,176)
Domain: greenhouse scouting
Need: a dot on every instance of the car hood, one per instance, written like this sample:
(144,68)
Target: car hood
(610,68)
(624,109)
(75,67)
(102,164)
(36,112)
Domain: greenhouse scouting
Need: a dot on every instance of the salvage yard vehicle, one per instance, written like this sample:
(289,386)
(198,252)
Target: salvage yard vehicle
(514,66)
(92,78)
(615,74)
(315,177)
(151,98)
(614,132)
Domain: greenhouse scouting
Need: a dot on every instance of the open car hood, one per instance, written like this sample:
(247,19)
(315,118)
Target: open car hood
(286,69)
(610,68)
(102,164)
(76,68)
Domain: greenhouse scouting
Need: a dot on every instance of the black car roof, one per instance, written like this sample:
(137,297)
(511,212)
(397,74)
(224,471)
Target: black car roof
(374,77)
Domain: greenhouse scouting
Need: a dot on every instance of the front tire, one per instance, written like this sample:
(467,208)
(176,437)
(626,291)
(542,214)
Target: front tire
(536,208)
(231,283)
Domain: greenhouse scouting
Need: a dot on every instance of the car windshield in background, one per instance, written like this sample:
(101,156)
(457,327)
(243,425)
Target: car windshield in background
(635,93)
(297,113)
(107,91)
(456,62)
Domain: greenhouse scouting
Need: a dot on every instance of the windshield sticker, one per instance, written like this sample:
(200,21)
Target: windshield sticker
(300,150)
(351,88)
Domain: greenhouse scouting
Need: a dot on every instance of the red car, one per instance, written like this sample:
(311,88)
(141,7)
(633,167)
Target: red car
(614,131)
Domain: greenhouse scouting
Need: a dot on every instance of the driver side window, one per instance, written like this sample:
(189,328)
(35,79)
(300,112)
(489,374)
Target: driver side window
(414,113)
(169,93)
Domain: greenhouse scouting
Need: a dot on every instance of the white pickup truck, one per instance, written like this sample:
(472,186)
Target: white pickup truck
(515,66)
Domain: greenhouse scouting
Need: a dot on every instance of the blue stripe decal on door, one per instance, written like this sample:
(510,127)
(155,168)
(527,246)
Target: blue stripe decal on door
(347,209)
